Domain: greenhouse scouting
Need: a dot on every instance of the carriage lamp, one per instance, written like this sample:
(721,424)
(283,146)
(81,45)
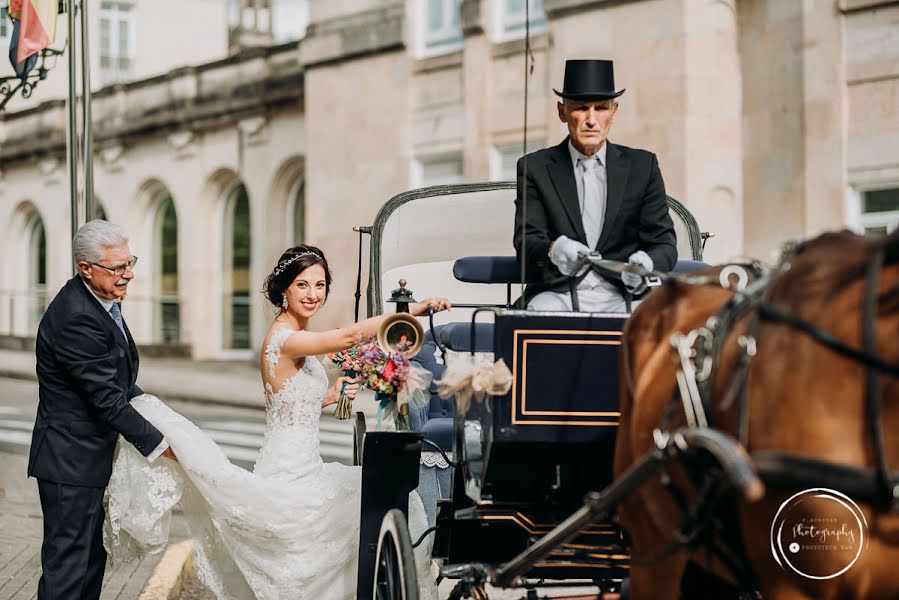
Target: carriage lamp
(13,84)
(402,297)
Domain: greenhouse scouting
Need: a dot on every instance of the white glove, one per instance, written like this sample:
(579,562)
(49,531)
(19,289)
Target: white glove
(633,281)
(566,253)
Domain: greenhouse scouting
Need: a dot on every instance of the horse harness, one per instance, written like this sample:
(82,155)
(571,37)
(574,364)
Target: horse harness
(698,353)
(699,350)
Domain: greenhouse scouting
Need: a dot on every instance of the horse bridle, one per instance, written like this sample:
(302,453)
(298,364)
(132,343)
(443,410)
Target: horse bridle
(707,343)
(698,353)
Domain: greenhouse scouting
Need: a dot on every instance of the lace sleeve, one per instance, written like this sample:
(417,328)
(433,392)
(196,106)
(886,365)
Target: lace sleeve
(273,349)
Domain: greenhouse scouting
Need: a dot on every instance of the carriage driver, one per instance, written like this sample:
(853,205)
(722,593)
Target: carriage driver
(589,194)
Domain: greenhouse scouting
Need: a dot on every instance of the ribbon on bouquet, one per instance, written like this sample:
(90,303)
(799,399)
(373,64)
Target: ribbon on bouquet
(465,378)
(414,391)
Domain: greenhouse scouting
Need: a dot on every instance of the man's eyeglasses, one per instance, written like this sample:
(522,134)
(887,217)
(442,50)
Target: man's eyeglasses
(119,270)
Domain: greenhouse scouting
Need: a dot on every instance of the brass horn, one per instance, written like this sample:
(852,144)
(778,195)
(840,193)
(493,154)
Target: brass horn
(401,332)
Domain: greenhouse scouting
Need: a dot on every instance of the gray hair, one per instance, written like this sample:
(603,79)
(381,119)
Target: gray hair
(93,238)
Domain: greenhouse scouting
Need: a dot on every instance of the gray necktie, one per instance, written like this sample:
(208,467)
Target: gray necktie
(116,312)
(594,207)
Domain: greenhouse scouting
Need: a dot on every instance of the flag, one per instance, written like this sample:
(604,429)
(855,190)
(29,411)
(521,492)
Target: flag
(37,25)
(14,9)
(24,67)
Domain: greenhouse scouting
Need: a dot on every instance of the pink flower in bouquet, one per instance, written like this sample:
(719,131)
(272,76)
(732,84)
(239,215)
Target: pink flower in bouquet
(389,370)
(347,360)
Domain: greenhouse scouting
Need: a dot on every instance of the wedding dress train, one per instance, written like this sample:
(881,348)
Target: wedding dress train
(287,530)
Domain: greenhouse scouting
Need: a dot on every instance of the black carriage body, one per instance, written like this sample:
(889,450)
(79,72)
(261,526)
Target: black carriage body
(556,427)
(523,461)
(545,444)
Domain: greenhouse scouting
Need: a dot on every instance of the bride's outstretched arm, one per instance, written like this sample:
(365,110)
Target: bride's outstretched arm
(313,343)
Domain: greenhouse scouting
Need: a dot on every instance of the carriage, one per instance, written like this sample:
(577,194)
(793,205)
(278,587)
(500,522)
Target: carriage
(523,463)
(540,476)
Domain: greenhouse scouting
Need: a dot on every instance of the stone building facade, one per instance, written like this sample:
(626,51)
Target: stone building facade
(772,119)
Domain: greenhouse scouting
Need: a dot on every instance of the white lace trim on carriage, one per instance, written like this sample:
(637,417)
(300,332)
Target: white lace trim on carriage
(435,459)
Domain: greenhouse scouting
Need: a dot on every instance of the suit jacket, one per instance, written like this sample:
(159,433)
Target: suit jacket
(87,375)
(636,216)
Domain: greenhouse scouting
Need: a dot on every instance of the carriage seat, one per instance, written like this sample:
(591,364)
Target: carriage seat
(505,269)
(436,419)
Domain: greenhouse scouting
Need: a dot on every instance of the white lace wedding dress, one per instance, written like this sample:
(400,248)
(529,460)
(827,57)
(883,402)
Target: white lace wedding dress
(287,530)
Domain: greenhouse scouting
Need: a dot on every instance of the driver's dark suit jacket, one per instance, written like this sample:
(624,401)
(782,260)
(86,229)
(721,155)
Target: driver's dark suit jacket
(636,215)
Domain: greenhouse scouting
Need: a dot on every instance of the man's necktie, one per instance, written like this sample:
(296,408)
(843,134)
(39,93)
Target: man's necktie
(116,312)
(594,208)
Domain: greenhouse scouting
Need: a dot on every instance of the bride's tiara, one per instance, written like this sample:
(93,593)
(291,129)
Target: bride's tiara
(280,268)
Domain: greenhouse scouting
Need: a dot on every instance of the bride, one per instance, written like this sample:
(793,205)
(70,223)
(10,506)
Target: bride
(290,528)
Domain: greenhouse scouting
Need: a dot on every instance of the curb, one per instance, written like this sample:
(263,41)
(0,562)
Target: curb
(168,577)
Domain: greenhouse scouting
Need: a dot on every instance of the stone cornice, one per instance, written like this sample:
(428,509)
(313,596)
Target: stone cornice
(354,36)
(560,8)
(851,6)
(198,98)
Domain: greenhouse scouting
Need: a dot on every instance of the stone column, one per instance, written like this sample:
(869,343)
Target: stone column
(825,113)
(476,88)
(711,146)
(794,121)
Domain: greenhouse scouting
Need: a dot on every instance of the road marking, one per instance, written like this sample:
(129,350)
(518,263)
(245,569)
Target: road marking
(19,438)
(235,426)
(231,438)
(240,441)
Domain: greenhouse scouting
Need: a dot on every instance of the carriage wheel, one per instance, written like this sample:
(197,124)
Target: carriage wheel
(395,577)
(358,434)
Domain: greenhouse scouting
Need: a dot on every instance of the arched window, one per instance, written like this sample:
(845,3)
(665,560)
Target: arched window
(168,311)
(236,325)
(37,272)
(298,211)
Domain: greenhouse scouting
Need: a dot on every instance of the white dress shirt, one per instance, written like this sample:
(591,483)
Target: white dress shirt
(595,294)
(107,305)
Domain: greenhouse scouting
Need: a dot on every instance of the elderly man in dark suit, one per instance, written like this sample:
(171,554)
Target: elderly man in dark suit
(587,194)
(87,372)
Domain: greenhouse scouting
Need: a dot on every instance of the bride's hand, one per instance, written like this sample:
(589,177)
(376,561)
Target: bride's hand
(333,393)
(420,309)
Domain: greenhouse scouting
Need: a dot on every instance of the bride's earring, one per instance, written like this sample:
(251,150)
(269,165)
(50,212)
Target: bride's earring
(283,302)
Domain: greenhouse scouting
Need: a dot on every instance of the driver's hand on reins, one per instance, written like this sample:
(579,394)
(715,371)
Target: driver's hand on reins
(420,309)
(567,254)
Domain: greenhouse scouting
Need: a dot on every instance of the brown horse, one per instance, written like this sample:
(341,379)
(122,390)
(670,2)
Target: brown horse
(804,398)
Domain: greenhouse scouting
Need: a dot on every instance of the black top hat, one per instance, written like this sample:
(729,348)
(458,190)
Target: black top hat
(589,80)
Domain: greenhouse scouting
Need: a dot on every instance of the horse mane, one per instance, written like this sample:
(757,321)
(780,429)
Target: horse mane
(889,300)
(826,265)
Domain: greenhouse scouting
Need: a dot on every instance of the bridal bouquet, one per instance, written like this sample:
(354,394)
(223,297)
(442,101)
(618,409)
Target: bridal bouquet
(395,381)
(350,360)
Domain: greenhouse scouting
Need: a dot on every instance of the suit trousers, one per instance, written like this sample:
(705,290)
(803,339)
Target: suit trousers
(72,555)
(602,297)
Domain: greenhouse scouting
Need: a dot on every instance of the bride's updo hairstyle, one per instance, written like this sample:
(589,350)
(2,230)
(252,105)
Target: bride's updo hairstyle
(293,262)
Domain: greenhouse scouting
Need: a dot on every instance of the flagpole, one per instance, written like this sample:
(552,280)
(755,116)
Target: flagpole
(72,125)
(87,152)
